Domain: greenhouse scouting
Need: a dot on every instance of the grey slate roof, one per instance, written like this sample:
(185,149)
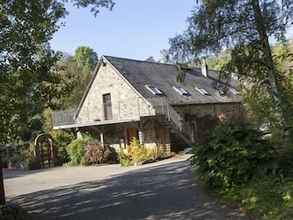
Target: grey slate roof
(163,76)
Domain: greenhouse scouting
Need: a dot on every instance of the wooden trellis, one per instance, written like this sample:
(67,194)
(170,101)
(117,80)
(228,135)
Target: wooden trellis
(44,151)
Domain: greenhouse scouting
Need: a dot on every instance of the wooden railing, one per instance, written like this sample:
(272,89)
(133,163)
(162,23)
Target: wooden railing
(60,118)
(127,109)
(162,107)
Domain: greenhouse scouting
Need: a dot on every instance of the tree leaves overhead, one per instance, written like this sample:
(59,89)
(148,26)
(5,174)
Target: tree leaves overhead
(27,77)
(215,25)
(95,5)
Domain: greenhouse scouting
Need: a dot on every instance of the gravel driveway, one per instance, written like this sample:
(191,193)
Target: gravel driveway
(163,190)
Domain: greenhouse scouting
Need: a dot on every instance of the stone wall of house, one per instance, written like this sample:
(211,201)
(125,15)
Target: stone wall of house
(126,102)
(199,120)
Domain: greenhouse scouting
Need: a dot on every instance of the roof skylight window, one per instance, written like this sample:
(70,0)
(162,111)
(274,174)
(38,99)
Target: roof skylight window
(154,90)
(181,91)
(202,91)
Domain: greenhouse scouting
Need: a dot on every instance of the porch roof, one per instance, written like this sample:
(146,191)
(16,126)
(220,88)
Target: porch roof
(94,123)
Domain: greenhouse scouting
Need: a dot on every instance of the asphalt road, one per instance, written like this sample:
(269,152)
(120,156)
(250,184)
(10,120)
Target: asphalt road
(158,191)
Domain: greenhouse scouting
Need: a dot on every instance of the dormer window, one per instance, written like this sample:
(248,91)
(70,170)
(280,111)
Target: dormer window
(181,91)
(234,91)
(202,91)
(154,90)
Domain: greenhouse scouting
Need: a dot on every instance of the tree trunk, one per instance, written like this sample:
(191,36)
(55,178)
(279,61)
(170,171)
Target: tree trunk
(2,193)
(274,88)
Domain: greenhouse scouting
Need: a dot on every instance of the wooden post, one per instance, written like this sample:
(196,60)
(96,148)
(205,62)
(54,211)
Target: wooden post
(102,139)
(2,192)
(140,136)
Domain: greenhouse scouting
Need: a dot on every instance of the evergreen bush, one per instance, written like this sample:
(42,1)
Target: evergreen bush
(233,155)
(76,150)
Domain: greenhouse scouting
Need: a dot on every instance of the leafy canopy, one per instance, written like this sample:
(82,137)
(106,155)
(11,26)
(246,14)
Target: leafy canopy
(26,76)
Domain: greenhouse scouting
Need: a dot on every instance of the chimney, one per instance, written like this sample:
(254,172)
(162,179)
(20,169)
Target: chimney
(204,68)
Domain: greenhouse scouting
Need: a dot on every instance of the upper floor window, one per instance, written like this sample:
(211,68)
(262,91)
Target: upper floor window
(154,90)
(107,104)
(181,91)
(202,91)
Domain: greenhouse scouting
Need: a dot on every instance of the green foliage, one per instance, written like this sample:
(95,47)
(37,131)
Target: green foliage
(234,154)
(85,57)
(219,61)
(13,213)
(27,78)
(136,154)
(14,155)
(74,74)
(28,81)
(61,139)
(264,197)
(124,158)
(242,166)
(76,151)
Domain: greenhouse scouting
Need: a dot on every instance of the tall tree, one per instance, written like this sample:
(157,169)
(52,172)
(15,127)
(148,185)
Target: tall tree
(245,27)
(86,57)
(74,74)
(26,60)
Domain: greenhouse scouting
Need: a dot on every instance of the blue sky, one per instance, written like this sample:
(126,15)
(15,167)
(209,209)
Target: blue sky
(134,29)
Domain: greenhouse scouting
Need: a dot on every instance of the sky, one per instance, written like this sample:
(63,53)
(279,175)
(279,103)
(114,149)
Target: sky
(134,29)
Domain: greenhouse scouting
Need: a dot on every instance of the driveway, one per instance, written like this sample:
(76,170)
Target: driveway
(163,190)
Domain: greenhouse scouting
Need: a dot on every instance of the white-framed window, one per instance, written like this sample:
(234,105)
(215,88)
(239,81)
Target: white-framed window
(180,90)
(202,91)
(154,90)
(234,91)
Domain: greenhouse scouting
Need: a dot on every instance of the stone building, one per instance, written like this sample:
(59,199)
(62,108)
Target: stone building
(130,98)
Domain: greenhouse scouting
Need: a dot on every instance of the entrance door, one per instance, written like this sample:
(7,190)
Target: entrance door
(131,133)
(107,106)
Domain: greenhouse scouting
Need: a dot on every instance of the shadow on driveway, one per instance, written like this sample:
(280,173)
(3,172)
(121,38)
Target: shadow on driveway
(162,192)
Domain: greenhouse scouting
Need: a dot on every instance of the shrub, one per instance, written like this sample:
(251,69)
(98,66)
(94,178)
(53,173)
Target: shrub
(76,150)
(233,155)
(8,212)
(136,154)
(60,141)
(265,197)
(95,153)
(124,158)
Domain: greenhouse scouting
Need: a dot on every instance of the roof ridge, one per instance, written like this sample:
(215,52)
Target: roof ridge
(136,60)
(152,62)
